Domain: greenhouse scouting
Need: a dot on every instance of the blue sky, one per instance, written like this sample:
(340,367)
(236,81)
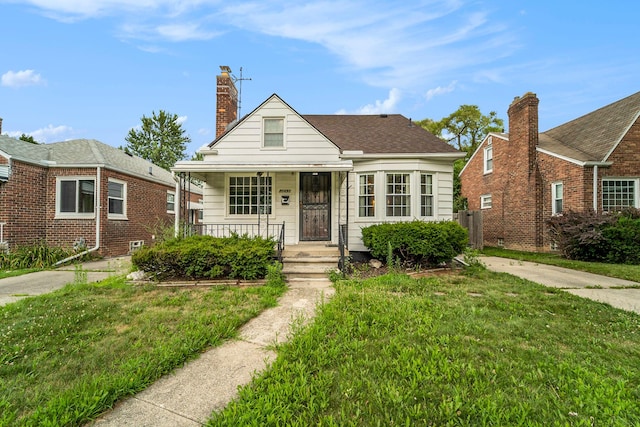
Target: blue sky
(91,69)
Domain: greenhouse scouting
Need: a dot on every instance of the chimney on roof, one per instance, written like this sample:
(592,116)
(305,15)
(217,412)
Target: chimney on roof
(0,125)
(523,125)
(226,100)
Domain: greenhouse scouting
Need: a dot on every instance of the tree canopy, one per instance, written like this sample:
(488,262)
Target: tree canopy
(28,138)
(465,128)
(161,139)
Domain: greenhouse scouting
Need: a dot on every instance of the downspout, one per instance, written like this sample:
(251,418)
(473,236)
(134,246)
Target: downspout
(595,188)
(176,200)
(98,209)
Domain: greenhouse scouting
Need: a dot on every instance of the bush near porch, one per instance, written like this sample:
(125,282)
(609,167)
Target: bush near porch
(416,243)
(207,257)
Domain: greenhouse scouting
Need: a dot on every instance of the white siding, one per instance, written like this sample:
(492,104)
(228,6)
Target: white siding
(302,142)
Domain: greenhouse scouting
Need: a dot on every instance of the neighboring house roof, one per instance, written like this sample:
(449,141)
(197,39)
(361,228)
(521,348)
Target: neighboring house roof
(83,153)
(378,134)
(593,136)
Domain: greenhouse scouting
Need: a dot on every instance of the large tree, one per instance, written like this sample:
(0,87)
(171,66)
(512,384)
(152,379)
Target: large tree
(465,128)
(161,139)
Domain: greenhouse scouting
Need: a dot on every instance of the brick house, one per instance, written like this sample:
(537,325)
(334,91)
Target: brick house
(324,176)
(84,192)
(518,180)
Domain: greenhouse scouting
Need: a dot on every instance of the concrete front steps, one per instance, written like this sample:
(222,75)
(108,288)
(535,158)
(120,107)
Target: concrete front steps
(309,261)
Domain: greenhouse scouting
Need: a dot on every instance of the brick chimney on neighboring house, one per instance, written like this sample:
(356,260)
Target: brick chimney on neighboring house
(226,100)
(523,125)
(0,125)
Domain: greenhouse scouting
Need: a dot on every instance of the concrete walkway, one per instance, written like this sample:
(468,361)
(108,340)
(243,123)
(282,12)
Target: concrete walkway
(41,282)
(623,294)
(188,396)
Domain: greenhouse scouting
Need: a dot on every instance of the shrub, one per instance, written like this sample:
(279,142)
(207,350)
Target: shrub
(32,256)
(589,236)
(206,257)
(416,242)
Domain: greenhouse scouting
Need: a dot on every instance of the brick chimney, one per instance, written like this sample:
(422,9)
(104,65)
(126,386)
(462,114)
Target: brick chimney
(523,125)
(226,100)
(0,125)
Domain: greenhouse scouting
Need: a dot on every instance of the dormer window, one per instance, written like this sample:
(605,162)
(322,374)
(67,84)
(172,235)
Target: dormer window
(273,136)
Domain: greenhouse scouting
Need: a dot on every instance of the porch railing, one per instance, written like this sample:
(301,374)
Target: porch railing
(274,231)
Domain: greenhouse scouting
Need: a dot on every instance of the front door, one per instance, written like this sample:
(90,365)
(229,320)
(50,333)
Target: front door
(315,206)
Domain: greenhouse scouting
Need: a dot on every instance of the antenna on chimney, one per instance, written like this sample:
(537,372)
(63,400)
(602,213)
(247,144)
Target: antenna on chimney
(239,79)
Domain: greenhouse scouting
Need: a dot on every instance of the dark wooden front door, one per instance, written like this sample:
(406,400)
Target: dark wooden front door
(315,206)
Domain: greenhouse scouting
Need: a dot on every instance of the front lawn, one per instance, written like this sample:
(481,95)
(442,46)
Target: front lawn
(67,356)
(621,271)
(451,351)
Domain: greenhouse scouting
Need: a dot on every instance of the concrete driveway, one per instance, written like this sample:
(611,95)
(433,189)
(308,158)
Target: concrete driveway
(41,282)
(616,292)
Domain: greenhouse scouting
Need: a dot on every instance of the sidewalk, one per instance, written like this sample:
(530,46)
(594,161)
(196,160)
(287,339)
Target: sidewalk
(188,396)
(616,292)
(41,282)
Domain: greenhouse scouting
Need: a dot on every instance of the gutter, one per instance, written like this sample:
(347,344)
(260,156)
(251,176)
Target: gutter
(98,215)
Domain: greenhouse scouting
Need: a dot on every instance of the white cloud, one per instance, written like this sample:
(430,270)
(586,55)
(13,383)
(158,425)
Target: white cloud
(204,131)
(21,78)
(441,90)
(378,107)
(181,119)
(48,134)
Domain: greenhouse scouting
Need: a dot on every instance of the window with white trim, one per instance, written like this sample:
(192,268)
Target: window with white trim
(117,198)
(398,194)
(426,194)
(557,198)
(75,197)
(171,202)
(249,195)
(366,195)
(273,135)
(488,159)
(485,201)
(618,194)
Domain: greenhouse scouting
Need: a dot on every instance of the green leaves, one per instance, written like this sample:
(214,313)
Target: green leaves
(160,139)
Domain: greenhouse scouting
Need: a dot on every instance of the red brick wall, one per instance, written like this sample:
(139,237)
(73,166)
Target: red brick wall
(625,158)
(22,204)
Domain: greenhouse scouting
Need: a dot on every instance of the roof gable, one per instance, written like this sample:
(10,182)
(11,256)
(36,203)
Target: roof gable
(593,136)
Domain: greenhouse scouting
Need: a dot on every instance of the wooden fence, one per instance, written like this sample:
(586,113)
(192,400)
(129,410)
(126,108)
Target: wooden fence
(472,221)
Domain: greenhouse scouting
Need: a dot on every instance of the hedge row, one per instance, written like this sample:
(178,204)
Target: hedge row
(604,237)
(416,242)
(206,257)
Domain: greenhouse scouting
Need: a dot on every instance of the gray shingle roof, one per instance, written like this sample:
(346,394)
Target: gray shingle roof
(83,152)
(593,136)
(378,134)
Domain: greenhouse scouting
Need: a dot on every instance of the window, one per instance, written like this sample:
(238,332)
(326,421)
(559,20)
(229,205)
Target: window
(556,198)
(426,194)
(618,194)
(398,194)
(485,201)
(249,194)
(117,196)
(488,159)
(366,195)
(171,202)
(76,197)
(273,133)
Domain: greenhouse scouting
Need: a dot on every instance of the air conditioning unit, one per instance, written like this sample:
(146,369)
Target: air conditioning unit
(134,245)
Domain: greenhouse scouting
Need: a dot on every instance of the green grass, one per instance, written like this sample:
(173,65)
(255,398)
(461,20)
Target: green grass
(67,356)
(621,271)
(489,350)
(13,273)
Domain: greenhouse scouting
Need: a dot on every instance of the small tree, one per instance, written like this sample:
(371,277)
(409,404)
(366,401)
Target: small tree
(161,140)
(28,138)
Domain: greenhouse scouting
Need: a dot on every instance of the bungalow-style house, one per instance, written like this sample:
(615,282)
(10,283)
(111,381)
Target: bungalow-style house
(83,193)
(318,178)
(520,179)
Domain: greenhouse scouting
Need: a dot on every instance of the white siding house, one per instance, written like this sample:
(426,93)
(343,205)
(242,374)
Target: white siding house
(317,174)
